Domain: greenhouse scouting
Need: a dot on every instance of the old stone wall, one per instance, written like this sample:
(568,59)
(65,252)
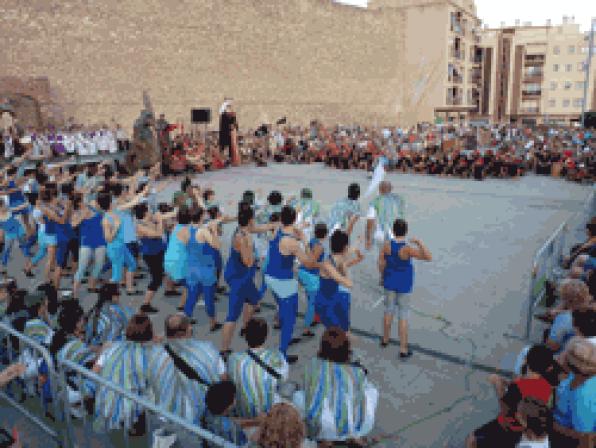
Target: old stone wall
(302,58)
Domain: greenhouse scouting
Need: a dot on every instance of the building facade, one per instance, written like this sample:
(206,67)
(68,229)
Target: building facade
(535,74)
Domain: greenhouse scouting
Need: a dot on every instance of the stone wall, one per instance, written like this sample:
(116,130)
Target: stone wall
(308,59)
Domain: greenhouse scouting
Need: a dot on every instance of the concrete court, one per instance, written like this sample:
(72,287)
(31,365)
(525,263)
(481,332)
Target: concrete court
(482,235)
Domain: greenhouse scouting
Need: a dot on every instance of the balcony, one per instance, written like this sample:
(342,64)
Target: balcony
(456,78)
(454,100)
(531,93)
(534,60)
(530,110)
(533,75)
(456,53)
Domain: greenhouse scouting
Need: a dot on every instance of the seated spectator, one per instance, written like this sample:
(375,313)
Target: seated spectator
(220,402)
(338,401)
(108,319)
(125,363)
(575,404)
(183,369)
(589,247)
(69,344)
(282,426)
(574,295)
(536,419)
(505,431)
(256,372)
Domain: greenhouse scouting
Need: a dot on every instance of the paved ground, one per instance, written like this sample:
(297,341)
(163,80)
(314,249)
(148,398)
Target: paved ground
(482,235)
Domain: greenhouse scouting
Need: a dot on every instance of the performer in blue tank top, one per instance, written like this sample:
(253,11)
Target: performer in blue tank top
(240,273)
(309,278)
(334,296)
(279,275)
(395,264)
(201,270)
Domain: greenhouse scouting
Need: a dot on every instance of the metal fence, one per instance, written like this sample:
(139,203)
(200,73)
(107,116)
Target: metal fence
(82,374)
(546,264)
(11,354)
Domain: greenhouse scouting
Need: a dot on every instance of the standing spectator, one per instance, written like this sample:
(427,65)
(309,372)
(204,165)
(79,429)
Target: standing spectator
(256,372)
(397,269)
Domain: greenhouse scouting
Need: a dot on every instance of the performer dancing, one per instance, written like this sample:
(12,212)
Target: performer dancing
(279,275)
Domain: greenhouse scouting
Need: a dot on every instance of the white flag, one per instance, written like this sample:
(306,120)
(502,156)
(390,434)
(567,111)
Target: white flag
(377,178)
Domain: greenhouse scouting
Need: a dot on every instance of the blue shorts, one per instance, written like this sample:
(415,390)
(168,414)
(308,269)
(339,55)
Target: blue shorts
(334,311)
(240,293)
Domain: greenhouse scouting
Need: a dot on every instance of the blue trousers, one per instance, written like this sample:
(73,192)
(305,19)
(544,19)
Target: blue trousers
(288,308)
(310,308)
(194,290)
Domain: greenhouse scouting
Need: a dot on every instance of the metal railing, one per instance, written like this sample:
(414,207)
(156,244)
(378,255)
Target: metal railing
(7,333)
(549,257)
(83,373)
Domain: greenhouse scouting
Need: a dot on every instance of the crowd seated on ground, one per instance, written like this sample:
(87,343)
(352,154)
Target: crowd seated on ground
(441,150)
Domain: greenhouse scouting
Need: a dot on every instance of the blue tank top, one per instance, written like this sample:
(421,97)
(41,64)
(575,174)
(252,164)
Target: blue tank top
(399,274)
(236,270)
(118,237)
(91,232)
(151,246)
(129,233)
(314,242)
(51,226)
(327,286)
(279,266)
(17,198)
(176,251)
(194,249)
(11,227)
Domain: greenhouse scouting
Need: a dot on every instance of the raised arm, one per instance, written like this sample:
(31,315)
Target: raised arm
(333,273)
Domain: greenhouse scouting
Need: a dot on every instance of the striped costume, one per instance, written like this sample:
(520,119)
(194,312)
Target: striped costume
(111,324)
(341,212)
(173,390)
(256,389)
(42,333)
(39,331)
(339,402)
(78,352)
(387,208)
(126,364)
(225,428)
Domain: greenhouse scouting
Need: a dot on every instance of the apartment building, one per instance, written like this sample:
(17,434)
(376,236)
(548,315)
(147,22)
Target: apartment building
(443,37)
(535,74)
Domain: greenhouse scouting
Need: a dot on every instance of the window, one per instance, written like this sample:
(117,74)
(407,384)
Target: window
(581,66)
(556,68)
(556,49)
(566,103)
(571,49)
(552,103)
(553,85)
(568,67)
(578,102)
(579,85)
(568,85)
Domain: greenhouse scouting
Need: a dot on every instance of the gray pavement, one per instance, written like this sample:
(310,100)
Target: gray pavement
(466,302)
